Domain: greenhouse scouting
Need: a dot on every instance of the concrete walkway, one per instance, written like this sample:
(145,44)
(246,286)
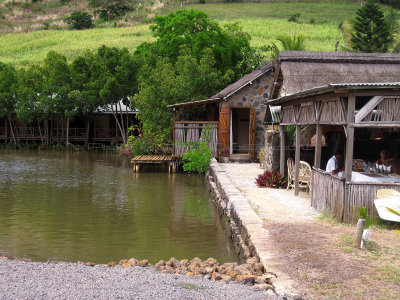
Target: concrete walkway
(269,204)
(272,206)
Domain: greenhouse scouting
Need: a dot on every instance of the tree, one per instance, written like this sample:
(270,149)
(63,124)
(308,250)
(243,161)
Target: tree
(29,95)
(111,9)
(8,80)
(169,83)
(80,20)
(295,43)
(194,30)
(371,31)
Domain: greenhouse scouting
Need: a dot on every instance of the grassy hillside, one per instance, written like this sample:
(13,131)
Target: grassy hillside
(318,22)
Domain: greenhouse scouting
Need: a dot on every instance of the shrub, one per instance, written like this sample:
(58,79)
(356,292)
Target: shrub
(271,180)
(294,18)
(146,145)
(198,159)
(80,20)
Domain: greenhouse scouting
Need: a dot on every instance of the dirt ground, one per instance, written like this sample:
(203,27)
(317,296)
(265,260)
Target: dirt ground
(315,251)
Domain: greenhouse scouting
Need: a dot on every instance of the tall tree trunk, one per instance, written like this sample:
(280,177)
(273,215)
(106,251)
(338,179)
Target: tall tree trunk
(67,139)
(118,123)
(40,132)
(12,131)
(16,131)
(122,122)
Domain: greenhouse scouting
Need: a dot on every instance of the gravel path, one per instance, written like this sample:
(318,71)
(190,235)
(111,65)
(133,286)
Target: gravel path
(32,280)
(269,204)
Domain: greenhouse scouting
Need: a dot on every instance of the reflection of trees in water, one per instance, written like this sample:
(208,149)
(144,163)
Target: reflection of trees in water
(85,208)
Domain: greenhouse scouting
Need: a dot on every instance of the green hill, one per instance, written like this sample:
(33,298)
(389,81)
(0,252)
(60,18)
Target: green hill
(318,22)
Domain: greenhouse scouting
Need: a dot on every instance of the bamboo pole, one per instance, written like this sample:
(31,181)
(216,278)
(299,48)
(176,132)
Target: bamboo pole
(318,141)
(297,161)
(282,150)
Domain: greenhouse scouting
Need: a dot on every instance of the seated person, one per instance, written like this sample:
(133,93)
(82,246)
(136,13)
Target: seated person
(383,164)
(333,165)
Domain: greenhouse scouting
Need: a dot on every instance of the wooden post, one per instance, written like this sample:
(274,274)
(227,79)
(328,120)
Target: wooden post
(297,161)
(350,137)
(282,150)
(359,233)
(318,141)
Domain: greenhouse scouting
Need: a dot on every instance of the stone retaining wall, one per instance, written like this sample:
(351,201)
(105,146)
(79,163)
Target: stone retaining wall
(245,225)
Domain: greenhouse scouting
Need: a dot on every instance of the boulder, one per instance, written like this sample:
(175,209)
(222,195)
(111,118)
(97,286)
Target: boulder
(143,262)
(132,262)
(111,264)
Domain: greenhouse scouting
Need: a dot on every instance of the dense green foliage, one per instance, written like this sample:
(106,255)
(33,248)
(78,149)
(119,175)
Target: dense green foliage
(111,9)
(193,29)
(7,84)
(191,59)
(57,89)
(198,158)
(80,20)
(371,31)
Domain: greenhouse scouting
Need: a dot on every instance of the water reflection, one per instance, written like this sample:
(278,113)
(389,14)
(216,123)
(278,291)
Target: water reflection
(92,207)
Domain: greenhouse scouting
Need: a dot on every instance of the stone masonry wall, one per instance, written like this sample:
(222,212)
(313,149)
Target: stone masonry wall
(272,150)
(254,95)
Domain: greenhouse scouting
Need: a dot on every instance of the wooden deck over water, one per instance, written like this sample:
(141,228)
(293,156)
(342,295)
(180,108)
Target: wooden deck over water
(139,160)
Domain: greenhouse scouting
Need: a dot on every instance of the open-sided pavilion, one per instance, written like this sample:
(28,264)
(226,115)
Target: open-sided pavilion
(351,106)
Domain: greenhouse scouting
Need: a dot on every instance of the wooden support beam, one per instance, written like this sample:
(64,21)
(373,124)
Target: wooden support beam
(282,150)
(318,142)
(351,103)
(297,161)
(367,108)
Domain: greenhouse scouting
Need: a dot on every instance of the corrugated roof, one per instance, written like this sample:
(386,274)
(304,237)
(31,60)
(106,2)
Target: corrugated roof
(332,87)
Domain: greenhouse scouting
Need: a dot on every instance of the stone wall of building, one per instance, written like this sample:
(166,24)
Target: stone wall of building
(254,95)
(272,150)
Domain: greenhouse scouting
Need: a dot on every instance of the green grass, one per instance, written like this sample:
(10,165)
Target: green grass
(27,48)
(263,21)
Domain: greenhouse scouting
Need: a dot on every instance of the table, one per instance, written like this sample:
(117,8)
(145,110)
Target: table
(374,177)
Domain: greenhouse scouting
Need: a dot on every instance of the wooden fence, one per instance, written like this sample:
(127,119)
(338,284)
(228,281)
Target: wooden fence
(193,131)
(359,194)
(342,198)
(327,193)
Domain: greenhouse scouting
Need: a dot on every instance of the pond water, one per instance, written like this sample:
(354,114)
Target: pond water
(92,207)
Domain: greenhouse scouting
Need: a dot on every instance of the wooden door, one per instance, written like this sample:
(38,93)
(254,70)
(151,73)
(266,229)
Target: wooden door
(252,133)
(223,131)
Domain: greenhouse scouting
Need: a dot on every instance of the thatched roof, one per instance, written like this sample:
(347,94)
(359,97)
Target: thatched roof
(304,70)
(232,88)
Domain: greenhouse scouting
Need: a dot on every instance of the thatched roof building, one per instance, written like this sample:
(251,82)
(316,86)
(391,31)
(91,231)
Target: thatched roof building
(303,70)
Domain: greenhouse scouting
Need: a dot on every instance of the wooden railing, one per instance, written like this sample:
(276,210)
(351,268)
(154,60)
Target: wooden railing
(105,133)
(73,133)
(327,193)
(192,131)
(30,133)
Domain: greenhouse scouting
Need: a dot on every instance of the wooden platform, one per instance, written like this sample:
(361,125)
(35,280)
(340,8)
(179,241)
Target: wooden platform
(139,160)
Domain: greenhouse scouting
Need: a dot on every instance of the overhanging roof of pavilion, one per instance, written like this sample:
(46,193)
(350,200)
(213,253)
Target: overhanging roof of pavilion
(336,88)
(329,105)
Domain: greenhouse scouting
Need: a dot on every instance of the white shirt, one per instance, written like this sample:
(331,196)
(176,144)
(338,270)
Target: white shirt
(332,164)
